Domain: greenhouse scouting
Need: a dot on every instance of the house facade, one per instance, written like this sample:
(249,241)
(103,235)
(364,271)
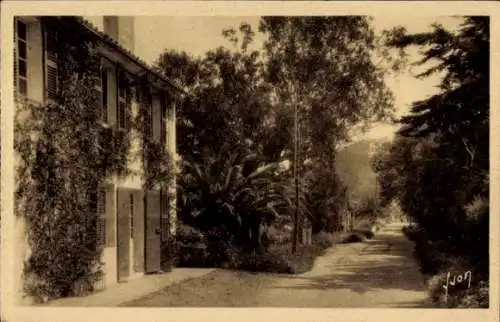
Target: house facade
(133,221)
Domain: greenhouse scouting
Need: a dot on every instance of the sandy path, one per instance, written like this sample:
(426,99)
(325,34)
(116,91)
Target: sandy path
(377,273)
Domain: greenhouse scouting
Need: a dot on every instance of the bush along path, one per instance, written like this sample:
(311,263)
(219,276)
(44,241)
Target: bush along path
(453,281)
(377,273)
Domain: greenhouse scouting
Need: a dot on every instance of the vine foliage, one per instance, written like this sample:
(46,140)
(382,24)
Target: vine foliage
(65,154)
(159,170)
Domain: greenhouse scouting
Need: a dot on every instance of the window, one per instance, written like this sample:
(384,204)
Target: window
(131,215)
(156,118)
(104,107)
(101,217)
(21,59)
(148,117)
(101,88)
(51,81)
(123,101)
(163,124)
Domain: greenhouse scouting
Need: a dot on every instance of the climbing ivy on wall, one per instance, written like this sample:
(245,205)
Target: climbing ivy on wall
(64,156)
(158,164)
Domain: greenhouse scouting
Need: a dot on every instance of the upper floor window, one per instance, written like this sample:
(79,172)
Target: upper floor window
(21,59)
(124,99)
(51,74)
(148,116)
(101,89)
(163,120)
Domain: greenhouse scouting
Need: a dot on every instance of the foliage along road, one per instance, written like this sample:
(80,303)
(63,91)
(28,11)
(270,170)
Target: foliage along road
(377,273)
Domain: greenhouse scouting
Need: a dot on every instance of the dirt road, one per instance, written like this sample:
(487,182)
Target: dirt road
(377,273)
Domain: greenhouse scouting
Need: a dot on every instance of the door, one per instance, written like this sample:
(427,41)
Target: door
(153,232)
(123,233)
(137,208)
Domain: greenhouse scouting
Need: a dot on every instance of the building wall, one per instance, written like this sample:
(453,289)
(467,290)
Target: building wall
(134,181)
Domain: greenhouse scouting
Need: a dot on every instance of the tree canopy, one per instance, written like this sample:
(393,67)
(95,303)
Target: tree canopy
(438,165)
(242,100)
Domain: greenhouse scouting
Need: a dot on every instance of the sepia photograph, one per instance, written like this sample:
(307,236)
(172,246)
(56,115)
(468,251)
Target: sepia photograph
(248,161)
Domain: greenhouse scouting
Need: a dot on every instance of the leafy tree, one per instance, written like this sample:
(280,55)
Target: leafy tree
(228,111)
(438,165)
(228,93)
(247,97)
(323,66)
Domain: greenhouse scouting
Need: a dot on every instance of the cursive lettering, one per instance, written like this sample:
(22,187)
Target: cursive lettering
(457,279)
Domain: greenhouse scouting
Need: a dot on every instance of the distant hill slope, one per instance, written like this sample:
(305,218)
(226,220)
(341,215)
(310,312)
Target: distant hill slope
(353,166)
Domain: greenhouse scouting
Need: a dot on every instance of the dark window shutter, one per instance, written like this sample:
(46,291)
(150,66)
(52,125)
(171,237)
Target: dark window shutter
(101,231)
(51,45)
(131,213)
(139,231)
(110,217)
(50,49)
(163,121)
(51,82)
(101,217)
(104,89)
(128,109)
(121,114)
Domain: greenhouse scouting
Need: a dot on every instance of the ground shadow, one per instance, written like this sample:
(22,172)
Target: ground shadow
(385,262)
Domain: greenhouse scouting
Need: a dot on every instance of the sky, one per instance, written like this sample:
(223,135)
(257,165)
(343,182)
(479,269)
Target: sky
(196,35)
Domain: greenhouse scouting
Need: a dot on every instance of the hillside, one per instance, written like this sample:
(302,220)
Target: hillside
(353,166)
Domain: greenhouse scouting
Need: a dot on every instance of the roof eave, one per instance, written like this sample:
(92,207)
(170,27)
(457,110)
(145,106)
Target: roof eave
(114,45)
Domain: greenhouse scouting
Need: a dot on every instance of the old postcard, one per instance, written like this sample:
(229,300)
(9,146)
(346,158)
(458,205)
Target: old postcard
(248,160)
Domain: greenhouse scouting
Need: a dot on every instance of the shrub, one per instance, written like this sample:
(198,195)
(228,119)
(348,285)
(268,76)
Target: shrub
(365,233)
(191,247)
(192,255)
(354,238)
(322,240)
(459,295)
(221,251)
(169,254)
(188,235)
(412,232)
(232,191)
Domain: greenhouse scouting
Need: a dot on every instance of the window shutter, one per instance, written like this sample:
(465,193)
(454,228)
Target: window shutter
(156,119)
(147,105)
(101,217)
(121,114)
(104,98)
(16,71)
(51,81)
(124,100)
(110,217)
(163,126)
(138,231)
(128,109)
